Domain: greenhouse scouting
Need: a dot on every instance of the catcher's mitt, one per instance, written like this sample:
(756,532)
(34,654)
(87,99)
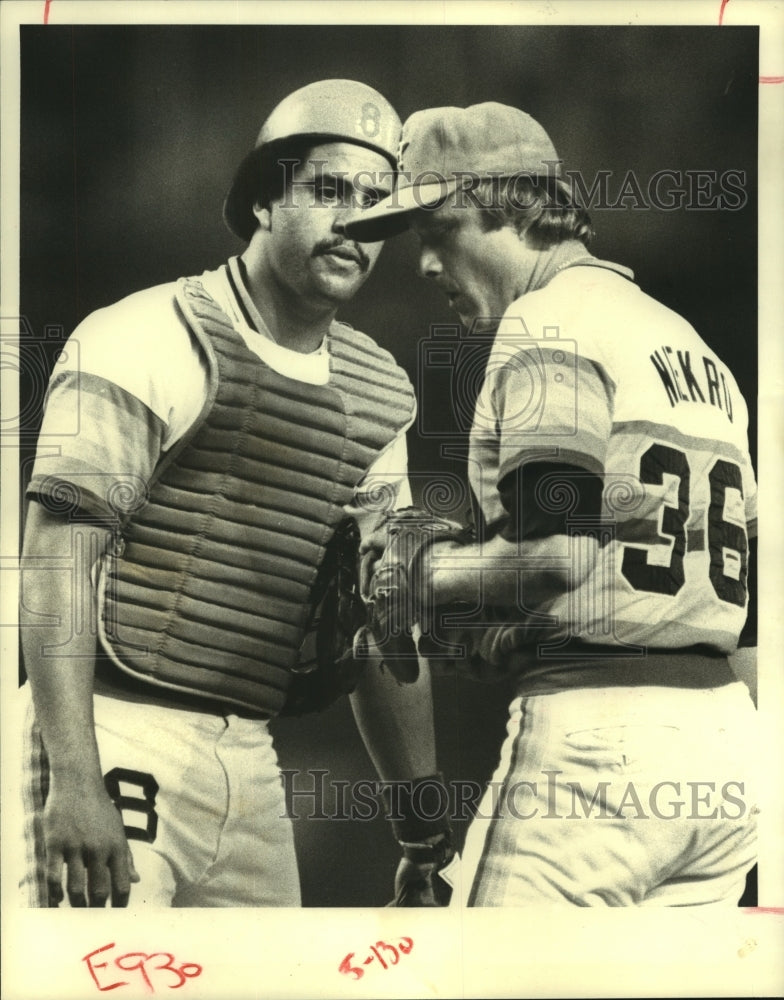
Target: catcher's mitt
(327,667)
(397,594)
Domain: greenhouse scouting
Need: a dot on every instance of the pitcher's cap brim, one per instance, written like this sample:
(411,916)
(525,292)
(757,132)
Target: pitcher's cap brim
(392,215)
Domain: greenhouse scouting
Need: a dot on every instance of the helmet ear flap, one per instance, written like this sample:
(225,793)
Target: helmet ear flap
(244,194)
(261,177)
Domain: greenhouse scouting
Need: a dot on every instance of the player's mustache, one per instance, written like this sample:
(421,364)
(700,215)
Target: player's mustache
(325,246)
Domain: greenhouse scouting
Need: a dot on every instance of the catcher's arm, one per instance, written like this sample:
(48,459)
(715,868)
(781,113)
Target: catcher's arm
(395,721)
(396,724)
(83,830)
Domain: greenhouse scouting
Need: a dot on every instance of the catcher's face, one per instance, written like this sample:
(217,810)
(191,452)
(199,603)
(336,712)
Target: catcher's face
(306,250)
(479,271)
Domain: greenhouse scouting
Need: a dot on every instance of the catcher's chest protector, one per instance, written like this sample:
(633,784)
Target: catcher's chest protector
(210,590)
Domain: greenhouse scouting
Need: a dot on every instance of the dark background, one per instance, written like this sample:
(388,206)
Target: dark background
(129,140)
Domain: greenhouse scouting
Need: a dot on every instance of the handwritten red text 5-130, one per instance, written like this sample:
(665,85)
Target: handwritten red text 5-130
(384,953)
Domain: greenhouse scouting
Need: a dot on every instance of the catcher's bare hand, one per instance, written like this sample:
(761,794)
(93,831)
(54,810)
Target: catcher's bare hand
(84,831)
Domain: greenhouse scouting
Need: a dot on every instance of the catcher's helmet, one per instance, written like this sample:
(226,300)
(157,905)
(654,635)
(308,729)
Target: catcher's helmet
(325,111)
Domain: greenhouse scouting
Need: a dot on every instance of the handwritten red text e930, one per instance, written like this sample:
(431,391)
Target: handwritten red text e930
(158,969)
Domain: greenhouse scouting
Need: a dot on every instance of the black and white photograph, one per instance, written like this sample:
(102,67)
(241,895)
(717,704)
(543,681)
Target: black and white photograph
(391,430)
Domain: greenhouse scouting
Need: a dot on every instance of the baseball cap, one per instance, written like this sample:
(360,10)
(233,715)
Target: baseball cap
(443,149)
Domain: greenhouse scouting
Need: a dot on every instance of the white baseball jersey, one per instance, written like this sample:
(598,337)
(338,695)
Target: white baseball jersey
(592,372)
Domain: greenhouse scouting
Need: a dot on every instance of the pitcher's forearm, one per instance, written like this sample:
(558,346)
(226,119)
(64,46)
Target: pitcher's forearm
(493,573)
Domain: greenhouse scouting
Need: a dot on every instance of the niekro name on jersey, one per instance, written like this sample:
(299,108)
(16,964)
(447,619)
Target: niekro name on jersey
(675,368)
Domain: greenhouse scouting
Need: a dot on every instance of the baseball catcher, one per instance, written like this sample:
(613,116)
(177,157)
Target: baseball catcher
(208,544)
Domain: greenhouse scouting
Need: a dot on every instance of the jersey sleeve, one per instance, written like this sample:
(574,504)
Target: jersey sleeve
(103,467)
(541,428)
(553,405)
(131,385)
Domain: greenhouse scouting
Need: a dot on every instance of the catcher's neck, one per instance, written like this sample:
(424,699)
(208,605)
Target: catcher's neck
(291,320)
